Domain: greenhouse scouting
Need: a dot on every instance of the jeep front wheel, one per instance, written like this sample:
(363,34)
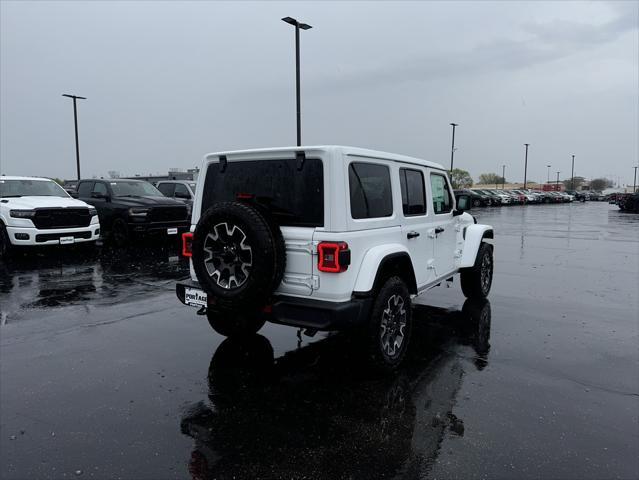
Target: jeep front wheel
(390,325)
(477,280)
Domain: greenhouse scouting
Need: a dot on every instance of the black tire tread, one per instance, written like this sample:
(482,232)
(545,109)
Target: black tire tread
(264,278)
(470,278)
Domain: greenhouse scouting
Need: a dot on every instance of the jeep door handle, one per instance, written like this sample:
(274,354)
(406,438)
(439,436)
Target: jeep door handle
(439,230)
(410,235)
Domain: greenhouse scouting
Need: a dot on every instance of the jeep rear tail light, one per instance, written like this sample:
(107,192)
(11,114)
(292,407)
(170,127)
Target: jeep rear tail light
(334,257)
(187,244)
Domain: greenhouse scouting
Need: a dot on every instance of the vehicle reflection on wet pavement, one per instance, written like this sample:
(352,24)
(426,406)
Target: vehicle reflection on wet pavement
(304,415)
(103,374)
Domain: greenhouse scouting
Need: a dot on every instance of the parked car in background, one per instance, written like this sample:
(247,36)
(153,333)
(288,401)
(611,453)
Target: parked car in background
(476,199)
(517,198)
(544,197)
(181,189)
(495,199)
(129,208)
(628,202)
(504,198)
(70,186)
(528,196)
(37,211)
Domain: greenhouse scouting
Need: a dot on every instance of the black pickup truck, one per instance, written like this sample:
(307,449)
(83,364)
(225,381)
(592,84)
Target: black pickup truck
(132,208)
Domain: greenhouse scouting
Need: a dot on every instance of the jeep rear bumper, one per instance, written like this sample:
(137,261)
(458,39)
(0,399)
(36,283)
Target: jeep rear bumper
(304,312)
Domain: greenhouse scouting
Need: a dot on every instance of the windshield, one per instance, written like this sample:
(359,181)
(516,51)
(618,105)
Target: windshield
(31,188)
(134,189)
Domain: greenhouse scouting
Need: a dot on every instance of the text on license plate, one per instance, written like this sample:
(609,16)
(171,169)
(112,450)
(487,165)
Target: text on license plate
(171,231)
(66,240)
(195,297)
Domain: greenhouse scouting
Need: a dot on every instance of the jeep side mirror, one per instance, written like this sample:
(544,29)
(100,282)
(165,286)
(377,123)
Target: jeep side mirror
(463,204)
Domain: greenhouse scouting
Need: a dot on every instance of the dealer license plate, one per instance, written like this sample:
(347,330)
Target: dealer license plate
(66,240)
(195,297)
(171,231)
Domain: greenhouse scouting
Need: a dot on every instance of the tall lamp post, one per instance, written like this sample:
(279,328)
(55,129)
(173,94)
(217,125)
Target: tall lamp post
(634,184)
(75,119)
(297,26)
(557,187)
(503,177)
(526,165)
(572,175)
(452,147)
(548,174)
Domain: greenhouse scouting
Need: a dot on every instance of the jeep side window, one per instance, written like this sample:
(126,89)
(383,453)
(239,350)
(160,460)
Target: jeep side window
(84,189)
(442,199)
(413,192)
(166,189)
(370,190)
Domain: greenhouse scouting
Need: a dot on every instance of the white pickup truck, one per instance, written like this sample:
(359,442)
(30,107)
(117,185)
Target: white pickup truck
(38,211)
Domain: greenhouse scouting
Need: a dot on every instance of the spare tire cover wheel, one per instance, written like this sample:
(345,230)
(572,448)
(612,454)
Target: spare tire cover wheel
(228,255)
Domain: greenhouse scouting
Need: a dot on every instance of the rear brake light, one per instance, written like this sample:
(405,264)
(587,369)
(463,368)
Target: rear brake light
(334,257)
(187,244)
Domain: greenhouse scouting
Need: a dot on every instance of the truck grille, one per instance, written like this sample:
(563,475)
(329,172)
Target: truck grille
(61,218)
(168,214)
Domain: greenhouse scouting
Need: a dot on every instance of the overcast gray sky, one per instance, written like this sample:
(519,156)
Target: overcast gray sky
(168,82)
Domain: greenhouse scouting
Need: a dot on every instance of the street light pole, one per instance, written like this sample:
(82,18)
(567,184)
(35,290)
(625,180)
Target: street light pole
(75,120)
(548,174)
(297,26)
(526,165)
(557,187)
(452,147)
(503,177)
(572,175)
(634,185)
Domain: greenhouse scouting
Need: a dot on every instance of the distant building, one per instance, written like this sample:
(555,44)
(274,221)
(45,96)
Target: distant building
(172,174)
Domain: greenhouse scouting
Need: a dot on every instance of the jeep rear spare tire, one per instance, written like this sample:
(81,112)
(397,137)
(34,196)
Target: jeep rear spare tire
(236,257)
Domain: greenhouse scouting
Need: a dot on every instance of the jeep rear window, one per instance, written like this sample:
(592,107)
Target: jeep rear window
(294,197)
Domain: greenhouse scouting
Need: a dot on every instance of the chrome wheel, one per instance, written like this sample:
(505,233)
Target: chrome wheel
(230,257)
(486,273)
(392,326)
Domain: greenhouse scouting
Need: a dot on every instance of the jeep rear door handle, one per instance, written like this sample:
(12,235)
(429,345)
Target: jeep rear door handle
(439,230)
(410,235)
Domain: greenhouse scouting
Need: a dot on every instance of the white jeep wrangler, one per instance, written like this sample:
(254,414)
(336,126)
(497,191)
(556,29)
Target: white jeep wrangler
(328,238)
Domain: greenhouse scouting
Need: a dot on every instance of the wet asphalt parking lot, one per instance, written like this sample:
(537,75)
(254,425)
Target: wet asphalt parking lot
(104,374)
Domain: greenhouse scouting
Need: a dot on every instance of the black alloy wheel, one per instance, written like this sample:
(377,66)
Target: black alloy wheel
(390,325)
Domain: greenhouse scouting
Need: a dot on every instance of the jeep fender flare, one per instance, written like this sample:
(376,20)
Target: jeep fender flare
(377,260)
(473,237)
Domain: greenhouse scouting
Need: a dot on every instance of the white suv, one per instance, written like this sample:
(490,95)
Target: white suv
(328,238)
(38,211)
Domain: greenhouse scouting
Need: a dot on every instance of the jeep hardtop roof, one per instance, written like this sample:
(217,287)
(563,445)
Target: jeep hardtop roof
(348,151)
